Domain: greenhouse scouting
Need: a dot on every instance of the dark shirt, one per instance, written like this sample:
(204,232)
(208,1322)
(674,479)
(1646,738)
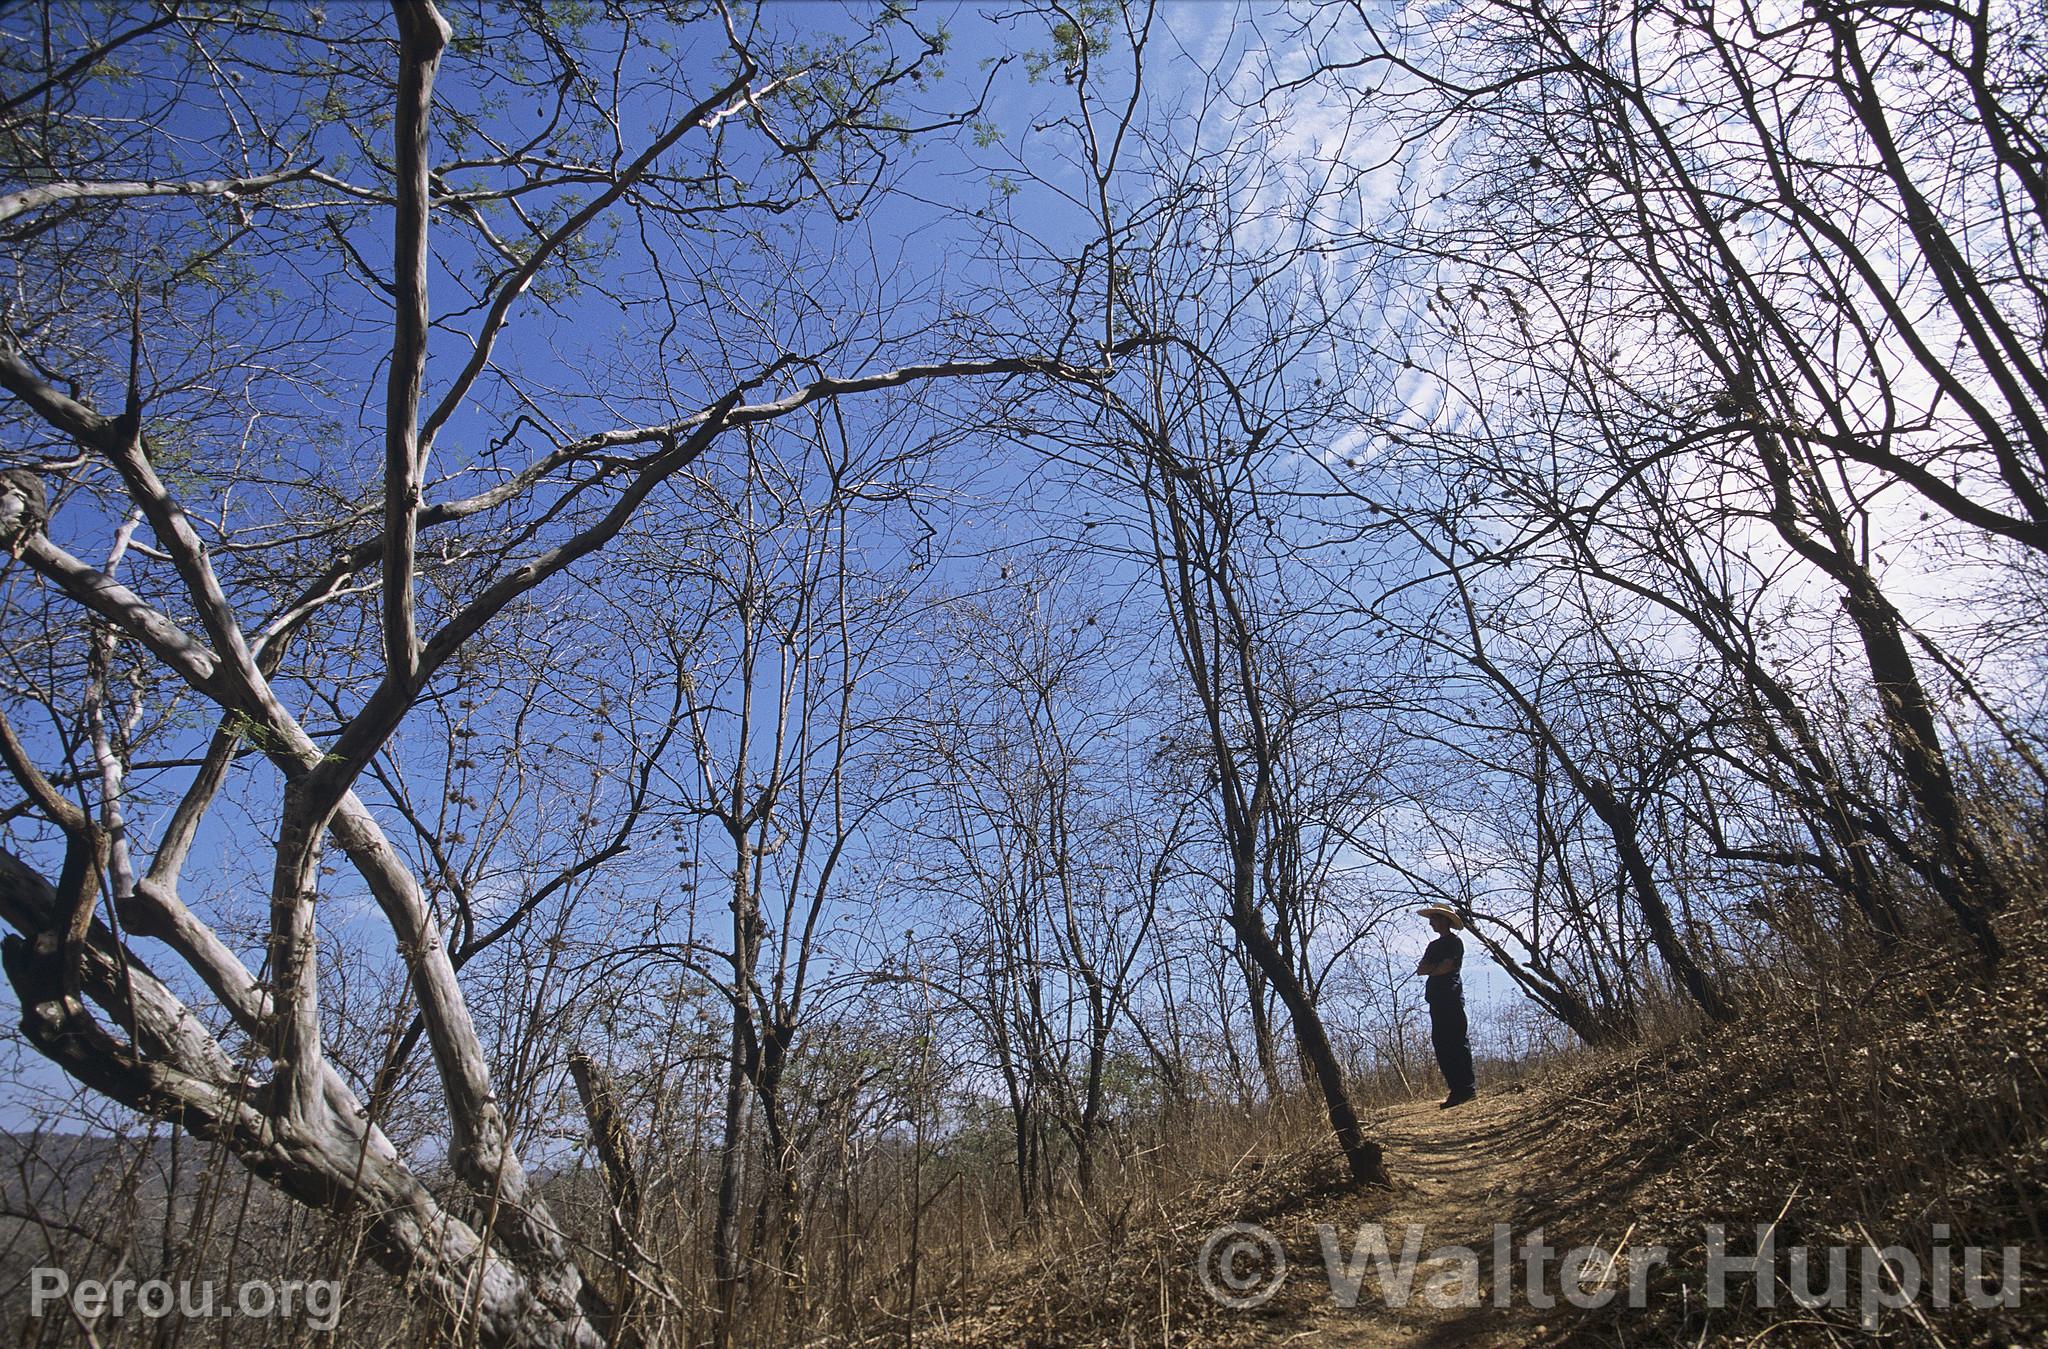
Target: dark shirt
(1445,987)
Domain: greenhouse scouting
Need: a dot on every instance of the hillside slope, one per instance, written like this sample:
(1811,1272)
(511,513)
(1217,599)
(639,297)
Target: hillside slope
(1885,1122)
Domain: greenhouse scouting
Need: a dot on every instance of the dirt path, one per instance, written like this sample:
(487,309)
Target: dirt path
(1458,1174)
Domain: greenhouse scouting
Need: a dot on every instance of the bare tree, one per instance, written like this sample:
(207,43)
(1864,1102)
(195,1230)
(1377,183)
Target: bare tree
(249,288)
(776,632)
(1709,253)
(1043,834)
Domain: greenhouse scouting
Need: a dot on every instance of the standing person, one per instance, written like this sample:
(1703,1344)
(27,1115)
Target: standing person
(1445,993)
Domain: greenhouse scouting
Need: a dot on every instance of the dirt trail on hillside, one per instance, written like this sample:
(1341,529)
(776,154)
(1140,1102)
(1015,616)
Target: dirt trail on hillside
(1457,1174)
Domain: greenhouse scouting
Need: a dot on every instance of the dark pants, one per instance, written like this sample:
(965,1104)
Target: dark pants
(1453,1050)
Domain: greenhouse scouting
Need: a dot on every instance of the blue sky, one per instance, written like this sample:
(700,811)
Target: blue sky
(647,326)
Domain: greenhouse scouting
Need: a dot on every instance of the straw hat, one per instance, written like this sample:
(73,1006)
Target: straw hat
(1439,911)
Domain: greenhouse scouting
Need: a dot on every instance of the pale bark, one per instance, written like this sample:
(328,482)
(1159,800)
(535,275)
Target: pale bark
(422,34)
(36,198)
(328,1158)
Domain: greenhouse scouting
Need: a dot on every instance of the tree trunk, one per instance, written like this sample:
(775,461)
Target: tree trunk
(739,1073)
(1262,1028)
(1676,951)
(1363,1156)
(1967,882)
(1599,1029)
(783,1160)
(1619,819)
(1963,877)
(614,1142)
(331,1159)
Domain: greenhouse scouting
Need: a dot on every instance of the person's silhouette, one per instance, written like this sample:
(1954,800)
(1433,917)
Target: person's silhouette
(1445,993)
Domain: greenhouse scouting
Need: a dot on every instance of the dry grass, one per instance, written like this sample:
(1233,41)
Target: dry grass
(1876,1101)
(1860,1098)
(1119,1270)
(1122,1270)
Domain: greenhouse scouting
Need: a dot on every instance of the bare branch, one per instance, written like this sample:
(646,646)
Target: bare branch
(422,34)
(36,198)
